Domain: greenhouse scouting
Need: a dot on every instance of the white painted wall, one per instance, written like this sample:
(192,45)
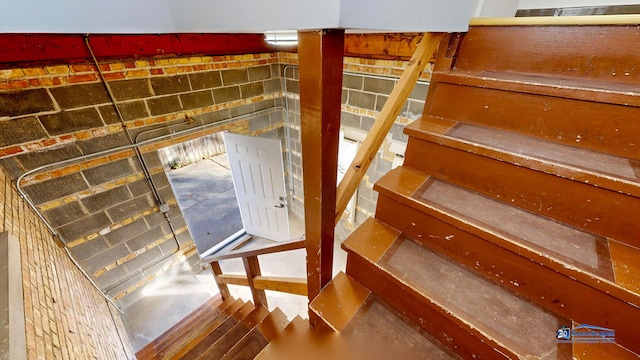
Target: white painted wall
(546,4)
(218,16)
(85,16)
(254,15)
(496,8)
(407,15)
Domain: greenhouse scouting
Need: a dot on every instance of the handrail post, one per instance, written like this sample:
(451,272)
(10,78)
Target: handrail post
(384,122)
(224,290)
(320,54)
(252,268)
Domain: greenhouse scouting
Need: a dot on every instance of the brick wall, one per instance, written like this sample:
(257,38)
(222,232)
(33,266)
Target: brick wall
(103,206)
(65,317)
(367,84)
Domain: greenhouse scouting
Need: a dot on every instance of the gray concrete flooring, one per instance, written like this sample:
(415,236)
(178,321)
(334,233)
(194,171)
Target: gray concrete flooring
(170,298)
(165,303)
(206,196)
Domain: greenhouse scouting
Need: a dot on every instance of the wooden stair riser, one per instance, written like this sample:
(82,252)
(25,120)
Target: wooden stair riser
(443,326)
(595,210)
(593,52)
(552,86)
(249,321)
(218,349)
(192,353)
(565,121)
(210,337)
(269,327)
(584,166)
(207,312)
(193,335)
(604,264)
(529,275)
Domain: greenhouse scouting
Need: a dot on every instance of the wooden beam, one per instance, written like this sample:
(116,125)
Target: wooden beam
(283,284)
(224,290)
(383,123)
(624,19)
(28,50)
(41,49)
(232,279)
(320,56)
(276,283)
(252,267)
(276,247)
(381,46)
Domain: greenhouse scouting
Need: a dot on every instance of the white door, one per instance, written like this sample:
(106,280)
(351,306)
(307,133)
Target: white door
(347,150)
(258,176)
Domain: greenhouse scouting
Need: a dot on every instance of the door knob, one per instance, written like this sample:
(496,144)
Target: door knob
(280,206)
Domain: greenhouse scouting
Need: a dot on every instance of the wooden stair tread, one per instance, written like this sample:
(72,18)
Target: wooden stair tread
(222,345)
(596,52)
(298,338)
(602,352)
(189,336)
(594,209)
(338,301)
(475,302)
(205,342)
(372,321)
(562,247)
(554,114)
(610,92)
(599,169)
(209,337)
(208,310)
(193,335)
(494,312)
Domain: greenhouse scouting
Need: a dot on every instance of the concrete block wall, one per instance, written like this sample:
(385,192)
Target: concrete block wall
(65,317)
(104,207)
(367,84)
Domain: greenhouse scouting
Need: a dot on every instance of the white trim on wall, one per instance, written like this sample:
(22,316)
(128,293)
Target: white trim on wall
(553,4)
(11,300)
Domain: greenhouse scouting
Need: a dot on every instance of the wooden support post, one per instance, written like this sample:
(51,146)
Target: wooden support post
(252,268)
(224,290)
(383,123)
(320,56)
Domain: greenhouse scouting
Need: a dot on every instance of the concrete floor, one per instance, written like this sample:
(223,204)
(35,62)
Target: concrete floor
(206,196)
(170,298)
(166,301)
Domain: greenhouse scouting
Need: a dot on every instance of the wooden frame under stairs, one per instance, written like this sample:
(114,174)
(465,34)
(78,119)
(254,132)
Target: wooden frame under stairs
(253,278)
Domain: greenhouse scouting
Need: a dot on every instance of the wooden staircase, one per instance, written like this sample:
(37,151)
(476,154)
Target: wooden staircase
(516,213)
(232,330)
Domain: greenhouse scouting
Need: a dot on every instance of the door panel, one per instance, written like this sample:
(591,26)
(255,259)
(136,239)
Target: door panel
(258,175)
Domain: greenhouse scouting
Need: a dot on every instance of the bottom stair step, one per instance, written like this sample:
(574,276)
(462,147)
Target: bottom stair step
(472,314)
(364,320)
